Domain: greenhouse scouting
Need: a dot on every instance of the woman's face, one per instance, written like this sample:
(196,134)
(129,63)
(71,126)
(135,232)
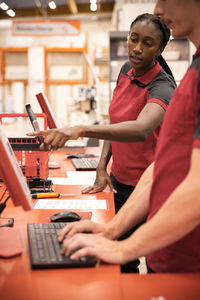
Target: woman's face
(181,16)
(144,45)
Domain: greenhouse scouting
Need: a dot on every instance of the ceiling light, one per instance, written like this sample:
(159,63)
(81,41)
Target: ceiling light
(93,6)
(93,1)
(3,6)
(52,5)
(10,12)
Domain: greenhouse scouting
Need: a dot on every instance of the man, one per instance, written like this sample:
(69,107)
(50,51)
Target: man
(168,193)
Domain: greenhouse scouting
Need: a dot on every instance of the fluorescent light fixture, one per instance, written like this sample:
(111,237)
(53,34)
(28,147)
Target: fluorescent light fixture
(52,5)
(3,6)
(10,12)
(93,6)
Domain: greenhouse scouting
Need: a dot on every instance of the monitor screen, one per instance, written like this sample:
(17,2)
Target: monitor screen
(12,175)
(46,108)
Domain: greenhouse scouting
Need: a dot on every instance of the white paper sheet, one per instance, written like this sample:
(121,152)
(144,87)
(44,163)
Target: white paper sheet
(75,178)
(71,204)
(59,180)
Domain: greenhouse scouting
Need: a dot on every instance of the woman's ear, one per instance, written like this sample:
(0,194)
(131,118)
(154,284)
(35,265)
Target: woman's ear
(127,38)
(160,51)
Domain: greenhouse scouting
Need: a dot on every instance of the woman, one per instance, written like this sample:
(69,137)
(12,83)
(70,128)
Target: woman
(139,102)
(143,91)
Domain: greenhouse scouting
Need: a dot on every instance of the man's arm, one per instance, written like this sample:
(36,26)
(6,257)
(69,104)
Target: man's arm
(177,217)
(165,228)
(132,212)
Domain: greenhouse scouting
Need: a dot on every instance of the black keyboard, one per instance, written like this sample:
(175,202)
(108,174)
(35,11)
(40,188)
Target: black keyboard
(45,250)
(84,164)
(80,155)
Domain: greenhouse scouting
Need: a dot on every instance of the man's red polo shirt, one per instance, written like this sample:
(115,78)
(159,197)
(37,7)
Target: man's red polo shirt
(180,133)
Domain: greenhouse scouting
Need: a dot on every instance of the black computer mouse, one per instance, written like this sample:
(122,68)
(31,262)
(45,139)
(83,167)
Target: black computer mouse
(65,216)
(80,155)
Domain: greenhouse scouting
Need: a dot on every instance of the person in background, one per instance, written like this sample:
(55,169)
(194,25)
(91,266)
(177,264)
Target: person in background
(168,192)
(144,88)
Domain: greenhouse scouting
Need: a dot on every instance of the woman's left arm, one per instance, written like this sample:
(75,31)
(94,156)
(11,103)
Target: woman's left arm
(129,131)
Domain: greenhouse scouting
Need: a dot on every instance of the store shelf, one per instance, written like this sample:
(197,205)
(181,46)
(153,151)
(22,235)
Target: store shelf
(60,72)
(13,78)
(118,56)
(101,63)
(14,65)
(59,82)
(177,55)
(66,65)
(11,81)
(65,68)
(118,45)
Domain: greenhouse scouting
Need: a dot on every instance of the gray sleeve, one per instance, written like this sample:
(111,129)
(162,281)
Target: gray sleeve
(124,69)
(197,127)
(162,88)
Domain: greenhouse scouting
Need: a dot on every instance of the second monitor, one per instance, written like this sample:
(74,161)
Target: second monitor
(46,108)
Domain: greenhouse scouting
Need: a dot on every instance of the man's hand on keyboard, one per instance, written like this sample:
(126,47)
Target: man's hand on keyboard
(78,227)
(113,252)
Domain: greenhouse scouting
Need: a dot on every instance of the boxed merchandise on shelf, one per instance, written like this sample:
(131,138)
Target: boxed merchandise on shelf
(16,72)
(66,73)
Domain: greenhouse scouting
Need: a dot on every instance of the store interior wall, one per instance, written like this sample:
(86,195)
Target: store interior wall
(98,29)
(98,39)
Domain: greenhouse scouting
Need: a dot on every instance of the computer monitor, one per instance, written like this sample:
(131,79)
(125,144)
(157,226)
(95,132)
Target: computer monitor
(46,108)
(44,104)
(12,175)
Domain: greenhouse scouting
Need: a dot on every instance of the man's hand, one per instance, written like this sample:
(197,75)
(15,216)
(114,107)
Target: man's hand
(109,251)
(78,227)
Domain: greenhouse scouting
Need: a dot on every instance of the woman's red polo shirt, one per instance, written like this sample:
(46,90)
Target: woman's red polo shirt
(129,98)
